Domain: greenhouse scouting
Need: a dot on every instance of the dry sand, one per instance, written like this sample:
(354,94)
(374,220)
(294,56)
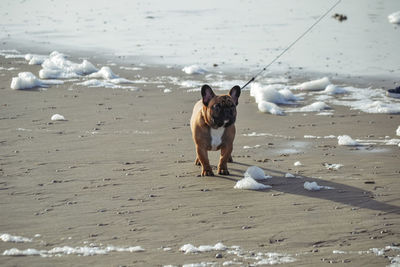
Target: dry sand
(120,171)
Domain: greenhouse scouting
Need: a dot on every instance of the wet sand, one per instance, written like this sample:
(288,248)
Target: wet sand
(120,171)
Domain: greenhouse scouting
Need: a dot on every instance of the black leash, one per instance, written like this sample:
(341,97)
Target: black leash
(293,43)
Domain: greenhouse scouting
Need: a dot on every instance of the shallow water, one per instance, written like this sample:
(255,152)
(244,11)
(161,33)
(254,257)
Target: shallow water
(241,35)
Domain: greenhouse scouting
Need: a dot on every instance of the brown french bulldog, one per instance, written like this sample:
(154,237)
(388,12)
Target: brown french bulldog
(213,127)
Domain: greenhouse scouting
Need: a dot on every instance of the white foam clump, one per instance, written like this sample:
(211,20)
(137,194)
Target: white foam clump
(275,258)
(27,80)
(110,79)
(200,264)
(315,85)
(268,107)
(105,73)
(398,131)
(268,96)
(58,117)
(394,17)
(249,183)
(166,91)
(189,248)
(66,250)
(345,140)
(113,83)
(35,59)
(58,66)
(313,186)
(271,93)
(14,238)
(289,175)
(379,107)
(369,100)
(314,107)
(333,166)
(256,173)
(297,163)
(331,89)
(194,69)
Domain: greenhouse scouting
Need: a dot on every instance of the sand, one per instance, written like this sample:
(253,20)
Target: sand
(119,171)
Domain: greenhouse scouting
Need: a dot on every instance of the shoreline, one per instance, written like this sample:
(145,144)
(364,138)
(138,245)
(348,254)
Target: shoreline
(296,74)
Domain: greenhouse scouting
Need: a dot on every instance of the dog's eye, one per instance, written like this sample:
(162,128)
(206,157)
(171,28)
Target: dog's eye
(216,106)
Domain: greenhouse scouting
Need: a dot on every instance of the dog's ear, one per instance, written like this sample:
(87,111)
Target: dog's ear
(235,93)
(207,94)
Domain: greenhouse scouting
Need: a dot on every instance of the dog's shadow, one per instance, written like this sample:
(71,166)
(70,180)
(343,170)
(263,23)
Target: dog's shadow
(344,194)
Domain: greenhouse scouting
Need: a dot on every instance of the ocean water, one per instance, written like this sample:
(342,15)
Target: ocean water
(241,35)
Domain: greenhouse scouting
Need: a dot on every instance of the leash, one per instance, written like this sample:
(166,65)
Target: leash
(292,44)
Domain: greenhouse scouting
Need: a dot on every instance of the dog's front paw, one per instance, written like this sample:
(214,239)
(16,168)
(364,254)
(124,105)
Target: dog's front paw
(207,173)
(223,172)
(197,162)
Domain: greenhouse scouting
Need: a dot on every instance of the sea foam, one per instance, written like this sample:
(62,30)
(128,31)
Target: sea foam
(345,140)
(314,107)
(57,66)
(315,85)
(394,17)
(14,238)
(57,117)
(67,250)
(249,183)
(256,173)
(313,186)
(189,248)
(27,80)
(194,69)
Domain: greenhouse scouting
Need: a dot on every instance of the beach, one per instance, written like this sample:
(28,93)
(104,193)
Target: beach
(115,182)
(97,161)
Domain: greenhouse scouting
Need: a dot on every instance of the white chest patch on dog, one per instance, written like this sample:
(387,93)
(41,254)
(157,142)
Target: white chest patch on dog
(216,137)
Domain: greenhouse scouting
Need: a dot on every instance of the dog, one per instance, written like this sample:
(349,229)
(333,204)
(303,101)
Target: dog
(213,127)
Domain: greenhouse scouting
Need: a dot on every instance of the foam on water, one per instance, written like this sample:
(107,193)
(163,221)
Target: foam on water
(205,32)
(398,131)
